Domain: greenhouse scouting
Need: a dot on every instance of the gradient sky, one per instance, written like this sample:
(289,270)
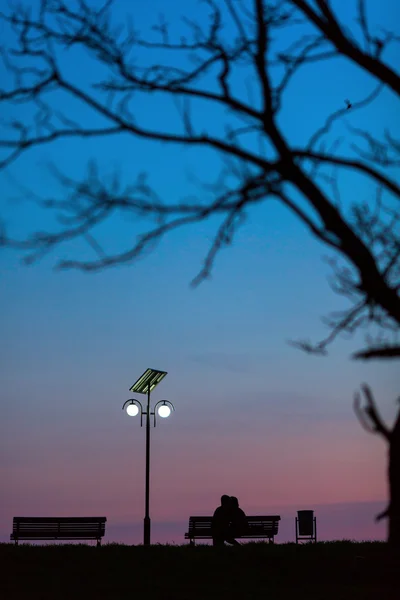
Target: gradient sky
(254,417)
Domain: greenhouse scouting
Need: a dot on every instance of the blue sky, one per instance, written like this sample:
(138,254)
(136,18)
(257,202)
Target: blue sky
(72,343)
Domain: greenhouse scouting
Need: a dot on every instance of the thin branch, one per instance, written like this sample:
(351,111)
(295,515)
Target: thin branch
(346,323)
(315,138)
(349,163)
(371,411)
(360,413)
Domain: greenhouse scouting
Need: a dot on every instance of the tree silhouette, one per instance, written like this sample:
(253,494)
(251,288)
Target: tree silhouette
(273,40)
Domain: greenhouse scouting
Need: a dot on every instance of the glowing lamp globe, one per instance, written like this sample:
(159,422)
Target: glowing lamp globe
(132,410)
(164,411)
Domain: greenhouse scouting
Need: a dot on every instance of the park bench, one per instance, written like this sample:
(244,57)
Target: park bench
(258,527)
(58,528)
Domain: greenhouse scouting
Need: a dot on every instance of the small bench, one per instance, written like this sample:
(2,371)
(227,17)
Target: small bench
(58,528)
(258,527)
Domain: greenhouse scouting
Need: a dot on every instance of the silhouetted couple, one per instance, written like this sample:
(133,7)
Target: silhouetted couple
(228,522)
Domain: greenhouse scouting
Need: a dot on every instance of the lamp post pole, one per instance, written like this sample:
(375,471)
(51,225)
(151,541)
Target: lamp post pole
(147,522)
(144,385)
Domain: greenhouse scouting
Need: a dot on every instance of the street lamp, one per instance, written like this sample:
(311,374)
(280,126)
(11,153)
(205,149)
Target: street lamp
(144,385)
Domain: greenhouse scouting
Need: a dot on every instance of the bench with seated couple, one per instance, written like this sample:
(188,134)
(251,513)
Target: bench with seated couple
(258,527)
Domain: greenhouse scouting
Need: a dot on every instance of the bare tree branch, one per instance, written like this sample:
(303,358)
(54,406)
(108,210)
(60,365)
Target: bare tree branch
(382,352)
(371,413)
(333,31)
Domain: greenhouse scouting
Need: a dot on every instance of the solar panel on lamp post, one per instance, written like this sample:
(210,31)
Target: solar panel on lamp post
(145,385)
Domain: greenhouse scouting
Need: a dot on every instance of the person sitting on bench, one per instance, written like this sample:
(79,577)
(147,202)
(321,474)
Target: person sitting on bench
(221,521)
(238,524)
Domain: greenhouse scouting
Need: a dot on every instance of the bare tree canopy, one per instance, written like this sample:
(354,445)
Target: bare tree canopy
(240,62)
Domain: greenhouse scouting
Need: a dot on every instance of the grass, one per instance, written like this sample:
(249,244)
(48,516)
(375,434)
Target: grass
(331,570)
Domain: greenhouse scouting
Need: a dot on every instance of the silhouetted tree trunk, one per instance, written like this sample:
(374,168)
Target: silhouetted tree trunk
(394,485)
(372,422)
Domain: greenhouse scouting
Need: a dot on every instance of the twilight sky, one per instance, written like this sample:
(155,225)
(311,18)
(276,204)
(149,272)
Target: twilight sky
(255,417)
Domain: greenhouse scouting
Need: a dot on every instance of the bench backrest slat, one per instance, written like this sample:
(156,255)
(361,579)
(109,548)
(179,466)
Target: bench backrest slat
(60,519)
(258,525)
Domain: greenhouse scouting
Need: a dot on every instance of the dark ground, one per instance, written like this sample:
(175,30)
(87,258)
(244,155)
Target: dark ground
(335,570)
